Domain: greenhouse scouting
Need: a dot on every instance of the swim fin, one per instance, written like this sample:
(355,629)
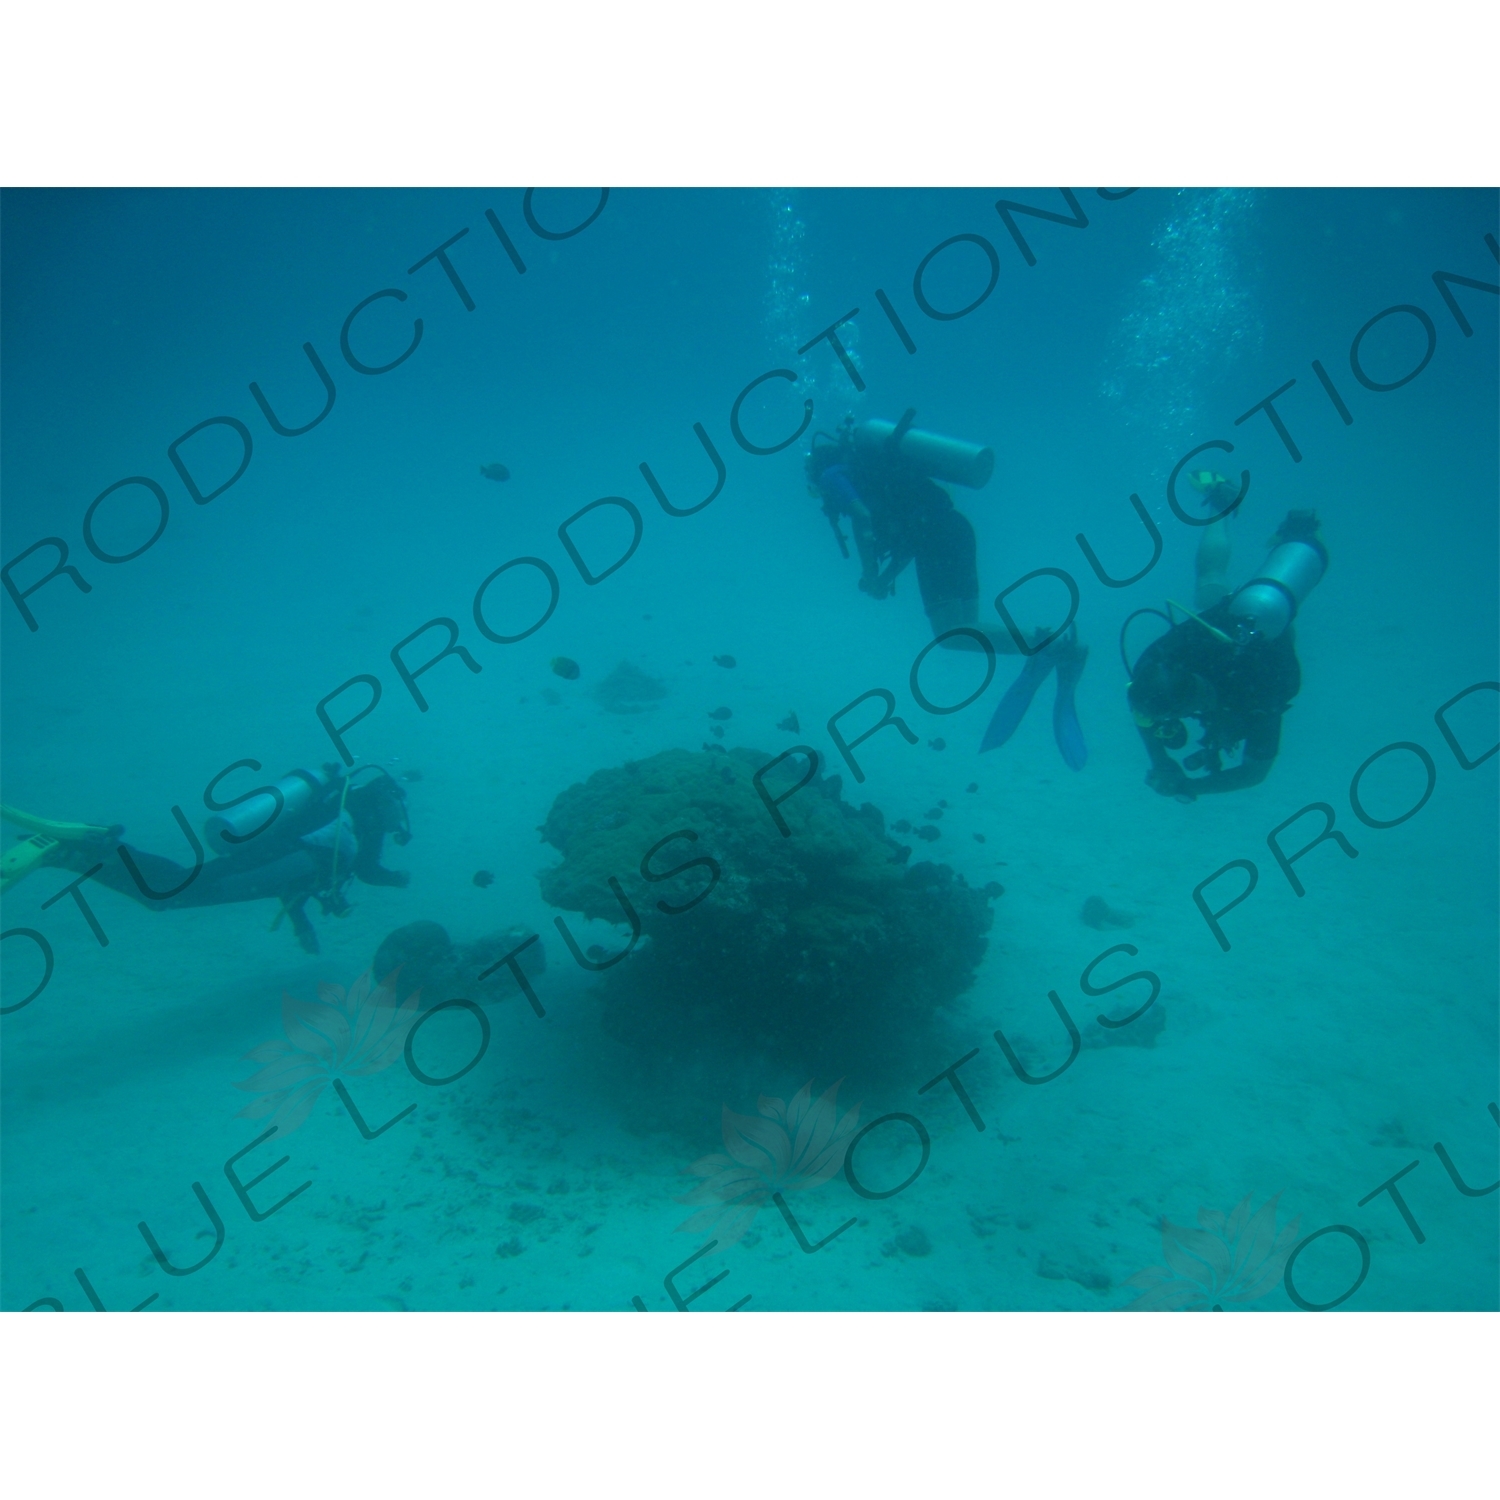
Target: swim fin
(1065,726)
(46,836)
(1017,700)
(24,858)
(60,832)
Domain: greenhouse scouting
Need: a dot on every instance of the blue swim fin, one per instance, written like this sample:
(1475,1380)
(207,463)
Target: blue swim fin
(1017,700)
(1065,727)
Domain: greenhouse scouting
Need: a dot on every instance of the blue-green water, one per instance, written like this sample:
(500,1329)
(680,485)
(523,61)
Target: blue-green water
(1342,1034)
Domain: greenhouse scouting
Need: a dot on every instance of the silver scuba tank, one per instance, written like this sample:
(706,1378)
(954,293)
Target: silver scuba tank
(931,455)
(1266,605)
(226,830)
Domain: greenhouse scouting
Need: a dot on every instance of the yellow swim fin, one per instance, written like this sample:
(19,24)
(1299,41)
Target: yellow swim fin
(24,858)
(46,836)
(58,832)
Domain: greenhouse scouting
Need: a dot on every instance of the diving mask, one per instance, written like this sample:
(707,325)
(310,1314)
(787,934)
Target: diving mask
(1170,731)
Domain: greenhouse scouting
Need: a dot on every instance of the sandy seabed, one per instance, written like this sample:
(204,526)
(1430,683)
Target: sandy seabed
(1343,1034)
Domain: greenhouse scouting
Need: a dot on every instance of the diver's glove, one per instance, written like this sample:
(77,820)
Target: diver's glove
(1171,781)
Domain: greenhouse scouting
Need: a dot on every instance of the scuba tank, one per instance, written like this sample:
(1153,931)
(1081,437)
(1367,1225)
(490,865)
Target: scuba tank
(1265,606)
(932,456)
(236,824)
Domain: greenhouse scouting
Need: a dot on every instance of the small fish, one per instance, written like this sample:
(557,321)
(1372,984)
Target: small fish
(934,813)
(709,745)
(498,472)
(993,889)
(483,878)
(565,666)
(937,744)
(722,714)
(978,838)
(942,802)
(928,832)
(725,661)
(902,827)
(717,730)
(973,786)
(790,724)
(595,953)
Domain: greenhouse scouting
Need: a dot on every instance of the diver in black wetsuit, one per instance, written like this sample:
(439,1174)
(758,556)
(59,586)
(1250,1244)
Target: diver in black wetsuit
(307,841)
(900,516)
(1232,666)
(1237,693)
(879,477)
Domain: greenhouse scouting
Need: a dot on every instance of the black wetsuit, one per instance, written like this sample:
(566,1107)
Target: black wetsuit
(911,519)
(312,853)
(1253,685)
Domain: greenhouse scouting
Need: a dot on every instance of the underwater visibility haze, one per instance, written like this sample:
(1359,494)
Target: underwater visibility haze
(749,750)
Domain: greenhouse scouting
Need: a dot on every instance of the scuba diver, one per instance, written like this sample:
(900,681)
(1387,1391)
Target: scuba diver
(1231,664)
(880,475)
(302,840)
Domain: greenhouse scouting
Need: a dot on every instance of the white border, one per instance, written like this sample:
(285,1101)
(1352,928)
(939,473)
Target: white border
(784,92)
